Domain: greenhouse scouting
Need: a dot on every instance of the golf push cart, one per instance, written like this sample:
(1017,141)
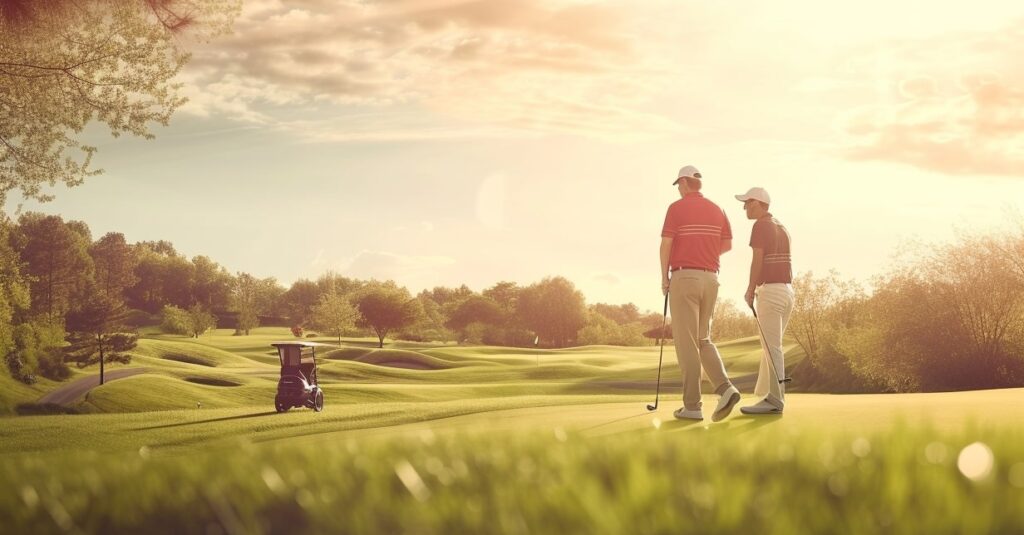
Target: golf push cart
(298,386)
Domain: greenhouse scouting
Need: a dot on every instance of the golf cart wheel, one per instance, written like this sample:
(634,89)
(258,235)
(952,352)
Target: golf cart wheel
(281,407)
(318,401)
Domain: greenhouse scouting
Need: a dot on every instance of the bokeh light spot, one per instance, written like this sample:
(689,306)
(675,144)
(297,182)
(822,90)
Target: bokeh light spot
(975,461)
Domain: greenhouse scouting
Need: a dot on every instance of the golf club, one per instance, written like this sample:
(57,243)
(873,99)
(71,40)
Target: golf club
(664,322)
(771,361)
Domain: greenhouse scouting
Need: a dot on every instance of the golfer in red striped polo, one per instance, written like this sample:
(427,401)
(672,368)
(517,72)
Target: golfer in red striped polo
(695,234)
(771,277)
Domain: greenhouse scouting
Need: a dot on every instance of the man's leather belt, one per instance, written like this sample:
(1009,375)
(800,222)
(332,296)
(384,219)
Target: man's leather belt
(695,268)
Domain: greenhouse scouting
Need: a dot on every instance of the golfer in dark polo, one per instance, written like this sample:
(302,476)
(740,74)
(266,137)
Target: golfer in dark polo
(695,234)
(771,275)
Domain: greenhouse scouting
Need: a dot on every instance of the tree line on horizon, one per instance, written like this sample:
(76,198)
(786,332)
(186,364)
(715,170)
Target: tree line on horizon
(66,298)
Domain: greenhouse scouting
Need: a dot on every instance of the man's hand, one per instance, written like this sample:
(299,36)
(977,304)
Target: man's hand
(664,286)
(749,298)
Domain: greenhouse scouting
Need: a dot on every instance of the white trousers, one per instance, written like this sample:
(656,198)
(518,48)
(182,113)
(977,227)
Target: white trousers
(774,304)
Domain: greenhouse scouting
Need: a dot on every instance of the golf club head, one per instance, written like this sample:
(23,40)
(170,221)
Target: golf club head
(652,407)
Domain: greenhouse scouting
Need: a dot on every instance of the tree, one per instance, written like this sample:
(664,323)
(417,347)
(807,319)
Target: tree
(949,318)
(245,300)
(66,64)
(384,307)
(552,308)
(602,329)
(211,284)
(334,315)
(431,325)
(115,264)
(96,333)
(251,297)
(14,290)
(475,310)
(824,307)
(56,260)
(300,300)
(174,320)
(820,305)
(505,295)
(200,320)
(729,322)
(194,322)
(621,314)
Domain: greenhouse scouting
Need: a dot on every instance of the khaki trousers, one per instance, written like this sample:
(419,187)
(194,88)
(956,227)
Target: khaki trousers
(774,303)
(692,296)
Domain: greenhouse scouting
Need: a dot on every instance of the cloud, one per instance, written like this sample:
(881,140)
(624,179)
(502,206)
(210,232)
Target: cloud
(954,105)
(607,278)
(562,66)
(384,265)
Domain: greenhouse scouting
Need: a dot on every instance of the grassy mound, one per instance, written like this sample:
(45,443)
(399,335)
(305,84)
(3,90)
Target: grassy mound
(212,381)
(150,392)
(392,358)
(27,409)
(189,351)
(14,392)
(189,359)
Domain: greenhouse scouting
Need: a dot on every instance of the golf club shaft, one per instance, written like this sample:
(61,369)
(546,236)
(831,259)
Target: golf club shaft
(768,352)
(661,353)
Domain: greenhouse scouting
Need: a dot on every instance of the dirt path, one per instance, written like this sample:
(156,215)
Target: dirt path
(76,389)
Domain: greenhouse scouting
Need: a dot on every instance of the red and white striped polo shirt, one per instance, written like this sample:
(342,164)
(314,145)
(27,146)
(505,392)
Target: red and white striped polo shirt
(697,227)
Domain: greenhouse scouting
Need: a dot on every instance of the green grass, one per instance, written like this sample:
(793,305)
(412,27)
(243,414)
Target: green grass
(430,438)
(482,467)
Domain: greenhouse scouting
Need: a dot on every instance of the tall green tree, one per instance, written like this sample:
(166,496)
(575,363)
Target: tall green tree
(478,310)
(164,277)
(245,301)
(56,261)
(252,297)
(334,315)
(200,320)
(211,284)
(299,301)
(194,322)
(385,308)
(67,64)
(115,264)
(554,309)
(14,295)
(97,333)
(505,294)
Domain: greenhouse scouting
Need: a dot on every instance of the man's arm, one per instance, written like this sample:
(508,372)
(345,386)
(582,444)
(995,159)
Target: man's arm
(666,250)
(755,274)
(726,246)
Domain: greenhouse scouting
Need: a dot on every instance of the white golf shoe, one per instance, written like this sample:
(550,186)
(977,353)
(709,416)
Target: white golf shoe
(766,406)
(726,402)
(682,413)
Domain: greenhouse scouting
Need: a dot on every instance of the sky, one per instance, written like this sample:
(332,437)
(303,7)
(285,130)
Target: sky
(442,142)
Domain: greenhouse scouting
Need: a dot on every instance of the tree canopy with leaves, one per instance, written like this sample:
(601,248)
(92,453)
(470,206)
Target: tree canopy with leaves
(386,307)
(66,64)
(554,309)
(97,333)
(334,315)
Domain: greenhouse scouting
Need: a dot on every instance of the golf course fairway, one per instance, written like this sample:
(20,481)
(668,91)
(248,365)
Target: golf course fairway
(446,439)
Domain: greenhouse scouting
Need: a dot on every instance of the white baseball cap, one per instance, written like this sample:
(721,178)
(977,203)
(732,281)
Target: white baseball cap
(688,171)
(757,194)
